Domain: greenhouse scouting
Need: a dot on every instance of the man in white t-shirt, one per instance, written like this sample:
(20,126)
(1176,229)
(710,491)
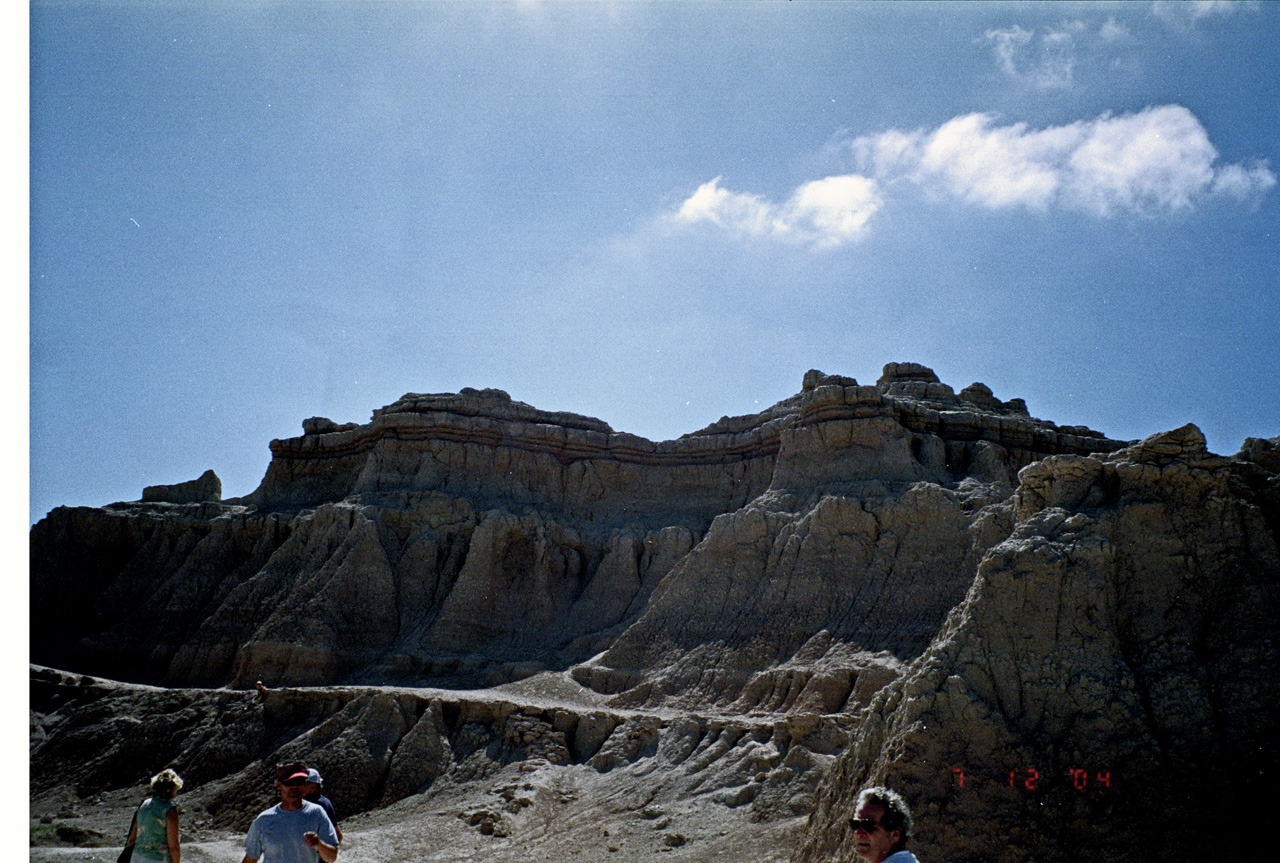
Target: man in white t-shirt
(294,830)
(882,827)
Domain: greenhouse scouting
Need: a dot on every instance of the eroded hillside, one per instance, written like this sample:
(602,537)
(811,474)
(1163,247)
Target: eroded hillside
(892,582)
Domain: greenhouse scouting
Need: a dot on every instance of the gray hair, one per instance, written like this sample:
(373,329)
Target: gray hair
(166,784)
(896,814)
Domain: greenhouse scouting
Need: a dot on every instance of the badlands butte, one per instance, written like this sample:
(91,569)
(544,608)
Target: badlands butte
(507,634)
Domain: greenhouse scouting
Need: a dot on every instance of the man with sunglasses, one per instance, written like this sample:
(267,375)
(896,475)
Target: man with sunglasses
(882,827)
(294,830)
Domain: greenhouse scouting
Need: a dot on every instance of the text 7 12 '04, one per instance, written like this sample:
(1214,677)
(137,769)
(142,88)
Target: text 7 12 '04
(1030,779)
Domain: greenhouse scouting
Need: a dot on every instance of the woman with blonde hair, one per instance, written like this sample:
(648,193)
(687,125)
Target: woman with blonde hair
(154,834)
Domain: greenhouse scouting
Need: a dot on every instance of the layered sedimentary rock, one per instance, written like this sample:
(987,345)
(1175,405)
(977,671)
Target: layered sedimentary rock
(1111,679)
(461,538)
(459,766)
(1058,646)
(205,487)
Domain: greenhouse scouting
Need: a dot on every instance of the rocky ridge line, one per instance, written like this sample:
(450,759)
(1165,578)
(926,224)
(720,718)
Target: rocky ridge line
(469,537)
(332,461)
(916,585)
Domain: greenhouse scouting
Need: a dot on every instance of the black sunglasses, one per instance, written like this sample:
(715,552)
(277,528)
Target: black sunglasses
(864,824)
(292,782)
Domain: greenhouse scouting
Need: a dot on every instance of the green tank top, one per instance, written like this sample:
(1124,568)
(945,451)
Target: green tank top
(152,836)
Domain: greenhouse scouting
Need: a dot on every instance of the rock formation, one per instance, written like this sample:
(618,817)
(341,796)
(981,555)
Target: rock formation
(1111,679)
(454,536)
(893,582)
(205,487)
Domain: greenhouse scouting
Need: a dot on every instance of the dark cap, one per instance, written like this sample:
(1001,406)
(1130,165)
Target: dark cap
(290,770)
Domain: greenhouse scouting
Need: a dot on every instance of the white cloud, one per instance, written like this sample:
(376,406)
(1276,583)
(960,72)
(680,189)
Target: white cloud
(1007,45)
(1181,13)
(1243,183)
(833,210)
(994,167)
(887,154)
(1046,64)
(1113,31)
(822,213)
(746,214)
(1158,159)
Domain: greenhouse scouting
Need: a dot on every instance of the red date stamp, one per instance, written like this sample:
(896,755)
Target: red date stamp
(1030,779)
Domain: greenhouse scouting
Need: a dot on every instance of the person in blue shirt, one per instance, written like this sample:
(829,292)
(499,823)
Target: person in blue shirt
(315,794)
(294,830)
(882,826)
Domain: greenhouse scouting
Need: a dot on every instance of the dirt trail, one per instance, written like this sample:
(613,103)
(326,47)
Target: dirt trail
(702,787)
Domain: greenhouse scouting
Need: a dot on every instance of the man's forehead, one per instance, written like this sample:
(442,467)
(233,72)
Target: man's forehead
(870,810)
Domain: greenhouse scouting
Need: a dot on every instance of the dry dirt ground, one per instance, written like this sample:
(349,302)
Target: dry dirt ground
(558,825)
(479,811)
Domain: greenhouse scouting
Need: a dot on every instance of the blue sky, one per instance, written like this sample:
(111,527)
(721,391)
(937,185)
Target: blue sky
(246,214)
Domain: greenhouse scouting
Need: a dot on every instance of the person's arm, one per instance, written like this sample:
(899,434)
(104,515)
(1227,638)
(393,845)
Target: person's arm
(171,835)
(328,853)
(133,831)
(248,859)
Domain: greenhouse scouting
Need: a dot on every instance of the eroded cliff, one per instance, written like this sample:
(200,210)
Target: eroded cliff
(1025,627)
(460,538)
(1111,679)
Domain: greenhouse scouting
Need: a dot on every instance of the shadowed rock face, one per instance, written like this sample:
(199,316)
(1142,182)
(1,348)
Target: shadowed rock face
(1111,677)
(951,594)
(460,538)
(206,487)
(454,766)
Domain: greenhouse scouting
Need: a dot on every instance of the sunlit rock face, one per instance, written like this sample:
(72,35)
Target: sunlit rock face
(801,554)
(1058,646)
(1111,677)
